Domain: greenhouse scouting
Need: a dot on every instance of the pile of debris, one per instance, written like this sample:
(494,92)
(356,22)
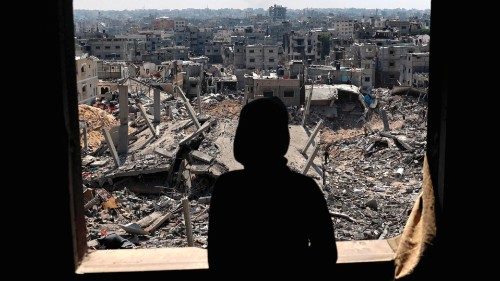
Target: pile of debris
(219,106)
(96,119)
(131,220)
(370,178)
(374,175)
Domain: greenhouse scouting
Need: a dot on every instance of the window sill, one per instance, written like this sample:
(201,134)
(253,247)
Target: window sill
(163,259)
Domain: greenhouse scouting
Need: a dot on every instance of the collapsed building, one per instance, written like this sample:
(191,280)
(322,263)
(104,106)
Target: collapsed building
(162,147)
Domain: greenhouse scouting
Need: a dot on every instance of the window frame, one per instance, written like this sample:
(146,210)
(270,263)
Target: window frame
(71,174)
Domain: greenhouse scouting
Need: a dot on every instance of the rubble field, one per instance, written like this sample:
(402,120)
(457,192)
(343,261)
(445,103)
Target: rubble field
(370,176)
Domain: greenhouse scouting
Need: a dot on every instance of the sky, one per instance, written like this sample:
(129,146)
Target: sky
(242,4)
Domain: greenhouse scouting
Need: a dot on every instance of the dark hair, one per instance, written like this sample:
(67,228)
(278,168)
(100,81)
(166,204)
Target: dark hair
(262,134)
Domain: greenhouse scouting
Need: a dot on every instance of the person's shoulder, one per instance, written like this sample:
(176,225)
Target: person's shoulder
(301,177)
(303,181)
(229,177)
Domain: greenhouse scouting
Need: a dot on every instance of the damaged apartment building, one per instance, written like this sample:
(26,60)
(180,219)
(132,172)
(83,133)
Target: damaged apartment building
(286,85)
(303,46)
(86,78)
(390,61)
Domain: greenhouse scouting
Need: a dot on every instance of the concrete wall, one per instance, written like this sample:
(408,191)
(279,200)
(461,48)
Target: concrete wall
(412,64)
(112,48)
(367,75)
(262,56)
(86,78)
(302,46)
(344,28)
(390,62)
(278,88)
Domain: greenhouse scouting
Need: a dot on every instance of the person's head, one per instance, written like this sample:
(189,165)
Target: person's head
(262,136)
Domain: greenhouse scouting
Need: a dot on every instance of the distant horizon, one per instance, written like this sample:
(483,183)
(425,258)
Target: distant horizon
(120,5)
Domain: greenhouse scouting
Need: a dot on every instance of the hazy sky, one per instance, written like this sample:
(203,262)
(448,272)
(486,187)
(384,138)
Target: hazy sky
(241,4)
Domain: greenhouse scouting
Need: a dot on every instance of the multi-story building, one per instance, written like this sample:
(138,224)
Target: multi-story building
(344,28)
(213,50)
(288,90)
(239,57)
(179,24)
(413,66)
(111,48)
(302,46)
(193,37)
(277,31)
(112,69)
(262,56)
(163,23)
(170,53)
(403,27)
(277,12)
(86,78)
(389,63)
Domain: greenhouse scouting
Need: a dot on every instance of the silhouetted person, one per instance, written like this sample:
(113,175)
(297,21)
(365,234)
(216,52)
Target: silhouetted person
(267,218)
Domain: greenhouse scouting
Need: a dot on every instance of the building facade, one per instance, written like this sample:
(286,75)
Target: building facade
(86,78)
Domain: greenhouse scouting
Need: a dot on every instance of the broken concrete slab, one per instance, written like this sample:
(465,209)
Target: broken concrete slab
(99,163)
(165,153)
(197,133)
(148,122)
(199,169)
(200,156)
(88,159)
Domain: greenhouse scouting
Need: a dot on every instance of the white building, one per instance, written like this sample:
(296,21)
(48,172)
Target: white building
(86,78)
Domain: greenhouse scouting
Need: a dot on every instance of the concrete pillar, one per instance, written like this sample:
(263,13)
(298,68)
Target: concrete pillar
(156,105)
(308,104)
(198,93)
(190,109)
(123,129)
(187,221)
(383,114)
(145,116)
(111,147)
(83,125)
(312,136)
(310,160)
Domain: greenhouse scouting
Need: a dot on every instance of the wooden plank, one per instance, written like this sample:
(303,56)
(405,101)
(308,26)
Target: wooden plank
(129,260)
(159,259)
(149,219)
(162,219)
(364,251)
(400,141)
